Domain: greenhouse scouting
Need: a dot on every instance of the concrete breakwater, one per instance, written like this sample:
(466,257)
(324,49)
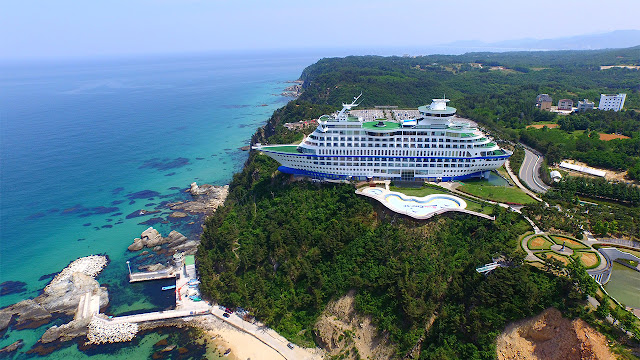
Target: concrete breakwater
(61,296)
(102,331)
(89,265)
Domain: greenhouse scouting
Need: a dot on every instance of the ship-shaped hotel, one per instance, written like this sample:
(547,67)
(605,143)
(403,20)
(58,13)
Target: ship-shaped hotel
(434,146)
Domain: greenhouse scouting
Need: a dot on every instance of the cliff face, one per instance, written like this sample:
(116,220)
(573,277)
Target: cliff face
(550,336)
(342,332)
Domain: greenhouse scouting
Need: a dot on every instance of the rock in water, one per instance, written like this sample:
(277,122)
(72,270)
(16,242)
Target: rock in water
(207,199)
(61,296)
(151,237)
(5,320)
(175,238)
(13,347)
(178,214)
(137,245)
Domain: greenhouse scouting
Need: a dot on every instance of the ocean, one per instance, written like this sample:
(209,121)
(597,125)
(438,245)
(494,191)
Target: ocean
(84,143)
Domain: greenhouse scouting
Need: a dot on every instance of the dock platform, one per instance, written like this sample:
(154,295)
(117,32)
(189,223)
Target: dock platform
(152,275)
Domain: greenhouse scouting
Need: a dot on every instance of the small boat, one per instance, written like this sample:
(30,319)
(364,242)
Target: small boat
(168,287)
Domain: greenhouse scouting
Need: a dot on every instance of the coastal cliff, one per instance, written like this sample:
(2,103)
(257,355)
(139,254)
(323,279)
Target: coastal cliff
(286,250)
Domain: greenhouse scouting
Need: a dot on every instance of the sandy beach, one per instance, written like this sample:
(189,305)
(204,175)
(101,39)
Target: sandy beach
(221,336)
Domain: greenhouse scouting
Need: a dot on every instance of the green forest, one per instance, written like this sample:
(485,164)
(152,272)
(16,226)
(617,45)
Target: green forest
(284,250)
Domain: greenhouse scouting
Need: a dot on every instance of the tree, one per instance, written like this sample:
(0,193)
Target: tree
(583,282)
(604,308)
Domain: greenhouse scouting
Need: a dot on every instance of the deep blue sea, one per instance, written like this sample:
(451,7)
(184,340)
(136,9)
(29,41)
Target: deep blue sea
(84,143)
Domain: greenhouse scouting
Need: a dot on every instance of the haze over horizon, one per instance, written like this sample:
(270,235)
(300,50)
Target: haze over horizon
(68,28)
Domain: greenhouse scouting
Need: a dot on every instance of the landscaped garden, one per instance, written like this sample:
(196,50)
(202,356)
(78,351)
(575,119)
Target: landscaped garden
(589,259)
(539,243)
(541,246)
(545,255)
(570,243)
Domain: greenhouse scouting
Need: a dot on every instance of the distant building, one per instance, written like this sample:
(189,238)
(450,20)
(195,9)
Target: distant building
(612,102)
(565,104)
(585,105)
(543,102)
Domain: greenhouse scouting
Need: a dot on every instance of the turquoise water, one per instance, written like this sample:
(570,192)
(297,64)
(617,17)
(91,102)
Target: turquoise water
(84,144)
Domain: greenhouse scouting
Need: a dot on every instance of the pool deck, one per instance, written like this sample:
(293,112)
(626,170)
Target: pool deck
(382,194)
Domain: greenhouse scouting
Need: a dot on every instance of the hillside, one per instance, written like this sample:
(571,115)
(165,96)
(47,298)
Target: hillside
(285,250)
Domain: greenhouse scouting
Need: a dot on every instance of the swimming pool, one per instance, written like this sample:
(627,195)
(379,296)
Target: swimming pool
(418,206)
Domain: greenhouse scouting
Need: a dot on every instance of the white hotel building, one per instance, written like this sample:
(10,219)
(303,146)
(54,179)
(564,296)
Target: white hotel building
(612,102)
(433,146)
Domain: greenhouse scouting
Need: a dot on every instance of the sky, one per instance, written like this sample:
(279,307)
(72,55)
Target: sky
(89,28)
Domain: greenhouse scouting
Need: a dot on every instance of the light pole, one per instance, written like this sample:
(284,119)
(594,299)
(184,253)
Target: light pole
(129,266)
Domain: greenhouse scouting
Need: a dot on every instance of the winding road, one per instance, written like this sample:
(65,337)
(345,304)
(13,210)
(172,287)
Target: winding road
(529,171)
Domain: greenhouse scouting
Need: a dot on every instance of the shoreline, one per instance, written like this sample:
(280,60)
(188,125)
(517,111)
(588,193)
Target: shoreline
(219,335)
(59,224)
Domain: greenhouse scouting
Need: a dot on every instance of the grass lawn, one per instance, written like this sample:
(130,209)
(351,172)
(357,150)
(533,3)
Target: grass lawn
(474,206)
(539,243)
(589,259)
(502,171)
(496,193)
(570,243)
(550,254)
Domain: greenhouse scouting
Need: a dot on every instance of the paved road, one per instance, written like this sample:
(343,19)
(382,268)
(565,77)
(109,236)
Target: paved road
(529,172)
(507,166)
(266,335)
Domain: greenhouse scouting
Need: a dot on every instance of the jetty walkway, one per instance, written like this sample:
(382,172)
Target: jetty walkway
(152,275)
(161,315)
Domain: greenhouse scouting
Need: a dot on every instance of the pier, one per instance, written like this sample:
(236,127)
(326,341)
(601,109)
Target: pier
(162,315)
(152,275)
(88,306)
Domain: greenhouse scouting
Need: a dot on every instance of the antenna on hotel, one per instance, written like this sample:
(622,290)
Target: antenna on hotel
(346,107)
(356,99)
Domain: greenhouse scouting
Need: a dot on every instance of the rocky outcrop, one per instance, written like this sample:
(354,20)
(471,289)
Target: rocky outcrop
(5,320)
(153,267)
(550,336)
(12,347)
(178,214)
(66,332)
(196,190)
(152,239)
(137,245)
(340,328)
(175,239)
(207,198)
(60,296)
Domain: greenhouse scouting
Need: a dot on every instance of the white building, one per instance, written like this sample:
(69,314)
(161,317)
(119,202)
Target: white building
(585,105)
(435,145)
(612,102)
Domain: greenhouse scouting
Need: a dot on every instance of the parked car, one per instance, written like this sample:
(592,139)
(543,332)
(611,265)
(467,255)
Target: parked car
(226,315)
(290,346)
